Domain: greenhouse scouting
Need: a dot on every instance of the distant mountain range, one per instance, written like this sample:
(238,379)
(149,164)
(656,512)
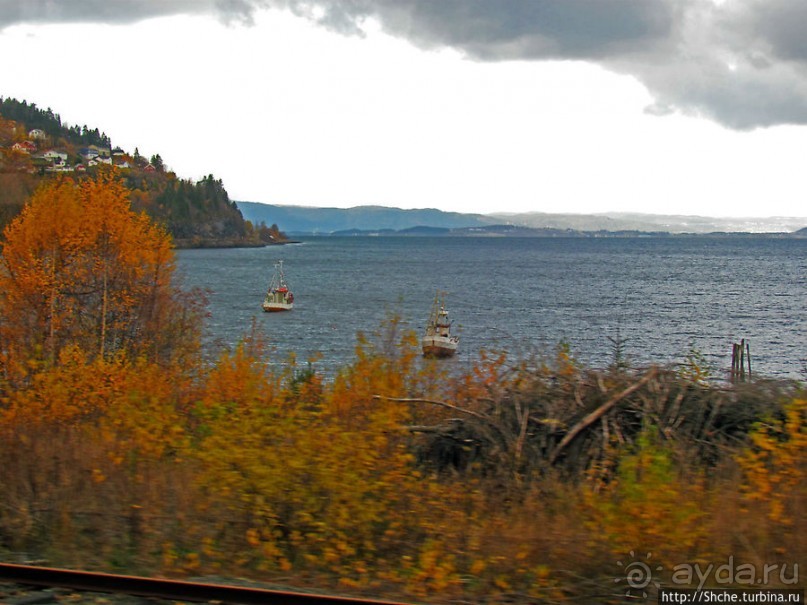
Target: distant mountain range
(299,220)
(303,220)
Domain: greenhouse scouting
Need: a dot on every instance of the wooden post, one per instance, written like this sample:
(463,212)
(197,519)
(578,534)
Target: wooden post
(739,354)
(748,350)
(733,376)
(742,360)
(733,353)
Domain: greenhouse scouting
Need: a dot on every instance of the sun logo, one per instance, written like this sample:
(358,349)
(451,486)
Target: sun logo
(638,575)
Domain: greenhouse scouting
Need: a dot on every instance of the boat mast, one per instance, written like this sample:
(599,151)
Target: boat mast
(279,273)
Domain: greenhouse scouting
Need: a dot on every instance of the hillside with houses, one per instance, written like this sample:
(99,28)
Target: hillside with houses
(35,145)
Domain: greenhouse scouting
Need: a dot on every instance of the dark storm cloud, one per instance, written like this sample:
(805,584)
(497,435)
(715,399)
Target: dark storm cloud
(742,63)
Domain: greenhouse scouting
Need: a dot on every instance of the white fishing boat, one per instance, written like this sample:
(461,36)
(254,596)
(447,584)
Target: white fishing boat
(279,296)
(437,340)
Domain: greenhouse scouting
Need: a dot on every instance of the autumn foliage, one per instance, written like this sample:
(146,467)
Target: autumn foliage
(81,269)
(509,481)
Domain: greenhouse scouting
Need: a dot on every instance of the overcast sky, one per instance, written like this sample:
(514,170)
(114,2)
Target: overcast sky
(661,106)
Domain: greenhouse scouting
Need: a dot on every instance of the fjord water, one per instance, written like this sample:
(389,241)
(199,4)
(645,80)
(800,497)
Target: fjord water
(661,297)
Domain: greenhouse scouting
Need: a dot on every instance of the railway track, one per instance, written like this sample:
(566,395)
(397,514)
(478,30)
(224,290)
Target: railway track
(171,590)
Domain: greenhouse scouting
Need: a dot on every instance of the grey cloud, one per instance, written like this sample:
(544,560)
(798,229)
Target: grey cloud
(584,29)
(504,29)
(775,26)
(118,11)
(742,63)
(739,63)
(742,98)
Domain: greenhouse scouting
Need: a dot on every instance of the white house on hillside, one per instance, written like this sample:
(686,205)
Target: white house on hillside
(55,155)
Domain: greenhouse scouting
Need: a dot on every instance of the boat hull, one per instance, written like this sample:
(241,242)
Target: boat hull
(438,347)
(274,307)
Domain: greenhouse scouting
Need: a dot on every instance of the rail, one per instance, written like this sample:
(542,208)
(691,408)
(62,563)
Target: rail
(159,588)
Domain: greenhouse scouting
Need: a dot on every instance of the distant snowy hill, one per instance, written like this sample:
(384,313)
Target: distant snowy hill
(622,221)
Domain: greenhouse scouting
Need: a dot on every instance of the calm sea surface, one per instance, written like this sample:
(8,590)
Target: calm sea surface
(662,296)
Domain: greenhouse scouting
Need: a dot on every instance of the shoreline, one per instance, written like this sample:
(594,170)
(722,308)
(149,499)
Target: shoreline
(190,244)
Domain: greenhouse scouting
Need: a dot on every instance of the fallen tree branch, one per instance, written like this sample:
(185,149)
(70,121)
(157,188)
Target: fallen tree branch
(441,431)
(434,402)
(589,419)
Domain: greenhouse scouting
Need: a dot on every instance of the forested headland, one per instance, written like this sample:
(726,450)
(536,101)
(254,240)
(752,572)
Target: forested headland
(36,146)
(532,480)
